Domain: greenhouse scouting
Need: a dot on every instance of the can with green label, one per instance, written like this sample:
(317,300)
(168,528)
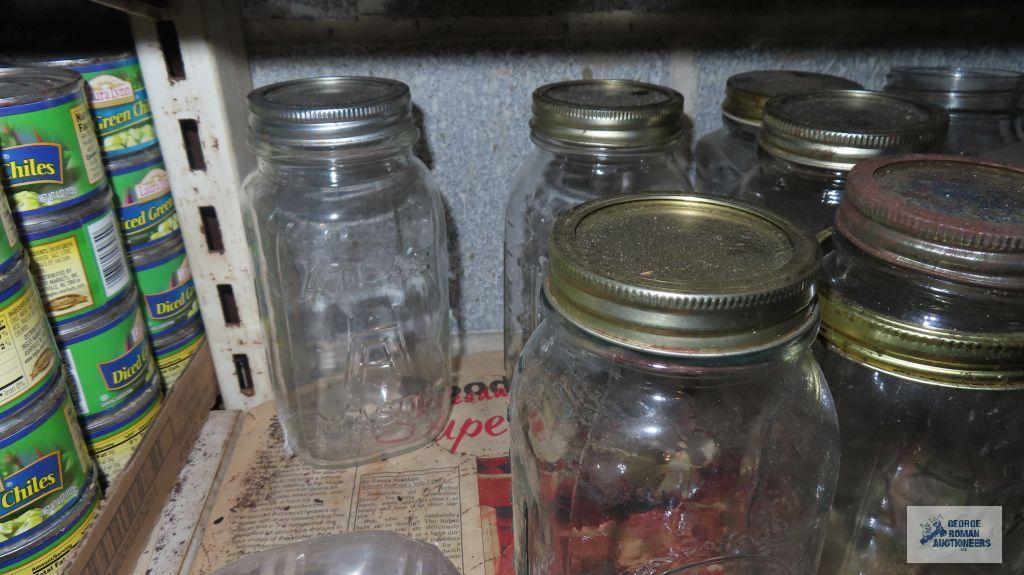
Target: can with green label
(51,159)
(78,258)
(113,437)
(117,96)
(29,361)
(165,284)
(46,551)
(10,241)
(142,195)
(108,357)
(175,346)
(44,464)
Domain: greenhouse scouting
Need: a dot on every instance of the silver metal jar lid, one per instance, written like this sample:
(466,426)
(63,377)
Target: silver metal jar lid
(36,84)
(747,93)
(607,113)
(960,89)
(950,216)
(683,275)
(835,129)
(329,112)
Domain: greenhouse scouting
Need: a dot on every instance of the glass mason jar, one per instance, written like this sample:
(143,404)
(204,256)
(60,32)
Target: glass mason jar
(810,141)
(923,346)
(724,155)
(668,416)
(593,138)
(985,106)
(348,239)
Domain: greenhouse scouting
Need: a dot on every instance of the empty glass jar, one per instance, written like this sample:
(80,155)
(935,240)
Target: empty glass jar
(985,106)
(348,236)
(923,333)
(724,155)
(810,141)
(593,138)
(667,415)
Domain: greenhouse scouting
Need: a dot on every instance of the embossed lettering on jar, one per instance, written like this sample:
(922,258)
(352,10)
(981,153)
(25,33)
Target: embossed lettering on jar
(348,235)
(667,415)
(592,138)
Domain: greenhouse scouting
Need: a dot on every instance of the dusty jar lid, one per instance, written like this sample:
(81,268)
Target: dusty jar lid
(960,89)
(949,216)
(747,93)
(835,129)
(329,112)
(683,275)
(607,113)
(36,84)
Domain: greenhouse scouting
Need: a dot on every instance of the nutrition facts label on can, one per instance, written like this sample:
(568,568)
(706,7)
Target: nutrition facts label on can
(27,351)
(84,129)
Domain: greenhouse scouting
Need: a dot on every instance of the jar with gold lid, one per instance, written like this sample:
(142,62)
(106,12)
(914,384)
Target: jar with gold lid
(923,346)
(667,415)
(592,138)
(722,157)
(810,141)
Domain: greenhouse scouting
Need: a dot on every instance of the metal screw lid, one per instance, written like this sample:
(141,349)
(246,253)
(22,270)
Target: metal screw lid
(683,275)
(35,84)
(960,89)
(949,216)
(607,113)
(747,93)
(329,112)
(835,129)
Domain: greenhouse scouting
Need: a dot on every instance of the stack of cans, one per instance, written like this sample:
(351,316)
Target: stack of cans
(145,208)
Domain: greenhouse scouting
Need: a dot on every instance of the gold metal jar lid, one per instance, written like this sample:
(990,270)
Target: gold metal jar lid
(835,129)
(683,275)
(607,113)
(747,93)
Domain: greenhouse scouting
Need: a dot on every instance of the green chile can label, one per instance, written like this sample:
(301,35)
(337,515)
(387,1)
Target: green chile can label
(145,206)
(50,155)
(44,468)
(10,241)
(80,266)
(167,290)
(112,446)
(120,106)
(173,359)
(49,557)
(29,360)
(107,364)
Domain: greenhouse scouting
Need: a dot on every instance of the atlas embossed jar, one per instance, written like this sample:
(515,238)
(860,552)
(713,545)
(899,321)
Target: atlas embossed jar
(811,141)
(347,232)
(592,138)
(923,346)
(668,416)
(722,157)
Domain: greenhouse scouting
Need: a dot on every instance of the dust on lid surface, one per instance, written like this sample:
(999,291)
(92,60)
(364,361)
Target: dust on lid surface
(34,84)
(746,93)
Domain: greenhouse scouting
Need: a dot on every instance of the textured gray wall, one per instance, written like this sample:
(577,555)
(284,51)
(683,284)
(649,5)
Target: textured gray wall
(474,97)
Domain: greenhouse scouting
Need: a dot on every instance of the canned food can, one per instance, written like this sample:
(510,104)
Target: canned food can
(142,194)
(51,159)
(29,361)
(175,346)
(165,283)
(107,356)
(113,437)
(46,552)
(78,258)
(117,96)
(44,464)
(10,241)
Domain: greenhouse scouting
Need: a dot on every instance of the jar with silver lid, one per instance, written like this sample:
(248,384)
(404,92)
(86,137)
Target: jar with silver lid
(724,155)
(668,416)
(592,138)
(810,141)
(347,232)
(985,106)
(923,346)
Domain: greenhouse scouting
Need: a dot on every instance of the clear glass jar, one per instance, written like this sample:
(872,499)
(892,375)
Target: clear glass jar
(923,346)
(593,138)
(985,106)
(724,155)
(811,140)
(348,236)
(667,416)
